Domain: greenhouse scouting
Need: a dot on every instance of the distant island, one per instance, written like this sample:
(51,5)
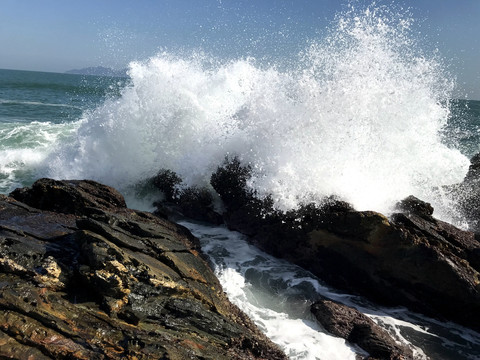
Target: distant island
(98,71)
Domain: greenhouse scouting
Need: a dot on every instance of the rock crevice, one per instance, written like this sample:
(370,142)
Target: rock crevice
(409,259)
(83,277)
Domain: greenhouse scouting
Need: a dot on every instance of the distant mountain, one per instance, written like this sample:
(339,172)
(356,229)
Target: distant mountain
(98,71)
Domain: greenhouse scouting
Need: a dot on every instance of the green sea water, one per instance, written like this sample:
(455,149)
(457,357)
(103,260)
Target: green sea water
(28,96)
(38,112)
(463,128)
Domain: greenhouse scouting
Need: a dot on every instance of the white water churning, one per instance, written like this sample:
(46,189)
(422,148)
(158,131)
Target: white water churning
(277,296)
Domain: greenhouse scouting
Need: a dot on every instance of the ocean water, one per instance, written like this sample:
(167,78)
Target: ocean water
(39,112)
(277,296)
(364,113)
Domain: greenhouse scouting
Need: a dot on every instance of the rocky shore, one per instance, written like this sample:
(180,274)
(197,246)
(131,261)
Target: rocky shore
(408,259)
(84,277)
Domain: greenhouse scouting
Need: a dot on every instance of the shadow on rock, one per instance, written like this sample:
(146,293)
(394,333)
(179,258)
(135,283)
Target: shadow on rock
(356,328)
(84,277)
(410,259)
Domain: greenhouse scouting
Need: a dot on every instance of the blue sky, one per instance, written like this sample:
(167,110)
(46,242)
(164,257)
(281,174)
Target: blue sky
(58,35)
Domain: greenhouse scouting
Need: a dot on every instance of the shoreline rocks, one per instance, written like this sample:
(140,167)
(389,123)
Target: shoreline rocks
(411,259)
(191,202)
(351,325)
(466,195)
(84,277)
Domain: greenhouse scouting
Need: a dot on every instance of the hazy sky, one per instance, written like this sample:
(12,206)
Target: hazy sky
(58,35)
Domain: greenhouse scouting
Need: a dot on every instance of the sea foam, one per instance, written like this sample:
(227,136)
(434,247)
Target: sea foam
(358,114)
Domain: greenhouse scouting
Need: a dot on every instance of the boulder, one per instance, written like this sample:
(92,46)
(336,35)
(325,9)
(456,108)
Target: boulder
(473,173)
(181,201)
(413,205)
(466,195)
(69,196)
(411,259)
(356,328)
(84,277)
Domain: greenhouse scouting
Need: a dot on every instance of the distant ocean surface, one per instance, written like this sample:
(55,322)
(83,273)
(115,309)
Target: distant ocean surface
(39,111)
(364,114)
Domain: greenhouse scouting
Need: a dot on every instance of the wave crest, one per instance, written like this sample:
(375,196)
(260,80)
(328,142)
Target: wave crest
(359,115)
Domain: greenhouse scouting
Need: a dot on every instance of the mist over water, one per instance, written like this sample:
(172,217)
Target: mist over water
(358,114)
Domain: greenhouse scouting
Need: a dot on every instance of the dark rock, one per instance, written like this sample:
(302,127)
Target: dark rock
(197,204)
(69,196)
(407,261)
(230,182)
(466,195)
(473,173)
(415,206)
(167,182)
(192,202)
(87,278)
(356,328)
(411,260)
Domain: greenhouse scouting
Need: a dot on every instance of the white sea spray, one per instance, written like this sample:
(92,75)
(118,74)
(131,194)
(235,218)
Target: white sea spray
(249,276)
(24,149)
(359,115)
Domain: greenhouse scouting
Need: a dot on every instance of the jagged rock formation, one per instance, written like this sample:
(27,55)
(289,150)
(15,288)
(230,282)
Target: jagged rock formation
(83,277)
(466,195)
(192,202)
(353,326)
(411,259)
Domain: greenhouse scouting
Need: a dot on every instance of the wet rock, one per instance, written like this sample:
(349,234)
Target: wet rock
(473,173)
(197,203)
(466,195)
(411,259)
(230,182)
(356,328)
(69,196)
(83,277)
(167,182)
(180,201)
(413,205)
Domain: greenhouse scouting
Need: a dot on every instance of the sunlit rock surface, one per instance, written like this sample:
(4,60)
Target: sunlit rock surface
(83,277)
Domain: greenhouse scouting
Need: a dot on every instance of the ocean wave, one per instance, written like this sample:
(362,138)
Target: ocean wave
(36,103)
(359,115)
(25,148)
